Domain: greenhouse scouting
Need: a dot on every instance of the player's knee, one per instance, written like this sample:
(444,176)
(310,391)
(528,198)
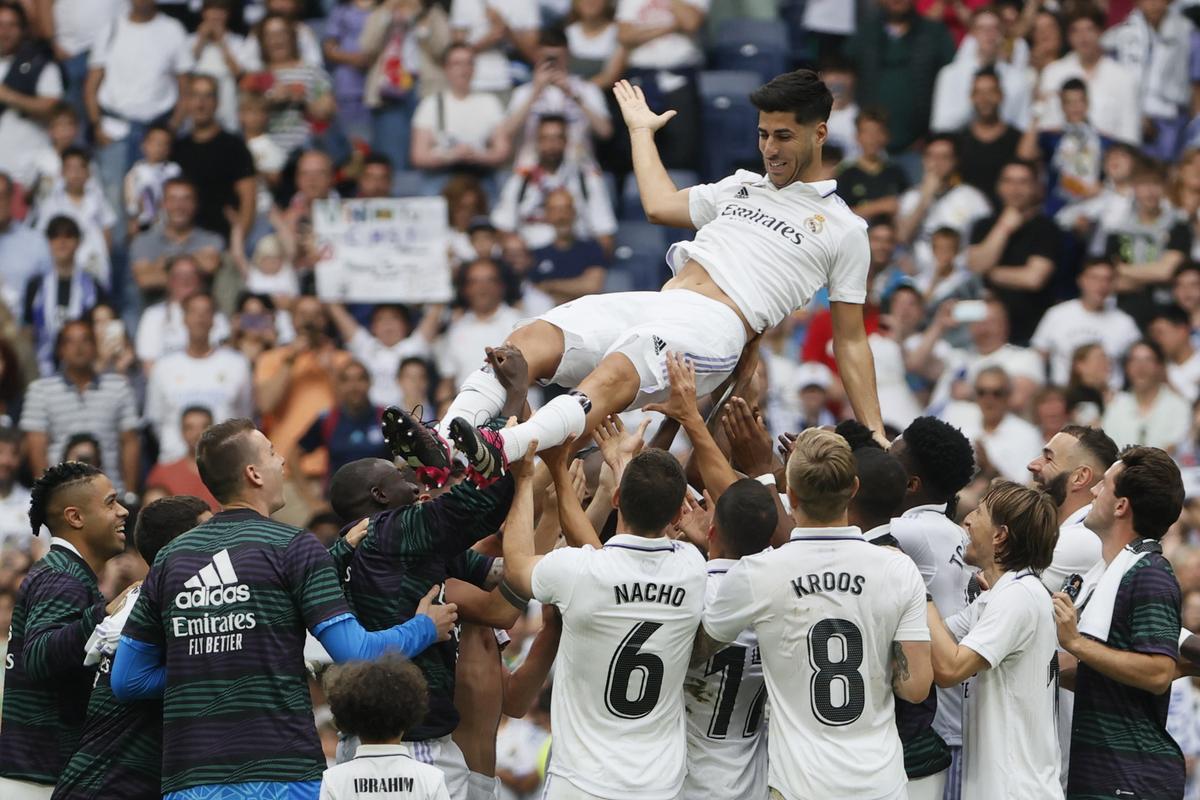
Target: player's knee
(542,344)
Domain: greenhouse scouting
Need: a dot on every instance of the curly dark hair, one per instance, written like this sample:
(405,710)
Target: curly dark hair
(377,700)
(52,481)
(857,434)
(940,455)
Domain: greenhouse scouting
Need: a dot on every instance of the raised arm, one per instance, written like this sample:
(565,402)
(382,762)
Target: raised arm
(856,365)
(681,405)
(663,203)
(519,555)
(952,662)
(575,523)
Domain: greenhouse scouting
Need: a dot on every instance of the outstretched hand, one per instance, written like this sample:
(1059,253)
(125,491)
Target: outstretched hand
(616,444)
(680,404)
(634,109)
(749,440)
(509,365)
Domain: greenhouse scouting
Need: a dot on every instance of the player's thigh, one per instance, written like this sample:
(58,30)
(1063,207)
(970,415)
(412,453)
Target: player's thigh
(589,326)
(708,333)
(23,790)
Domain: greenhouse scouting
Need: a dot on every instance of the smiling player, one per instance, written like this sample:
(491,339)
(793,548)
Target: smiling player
(765,244)
(46,685)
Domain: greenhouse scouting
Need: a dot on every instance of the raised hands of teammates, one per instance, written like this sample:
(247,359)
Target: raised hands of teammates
(681,403)
(749,440)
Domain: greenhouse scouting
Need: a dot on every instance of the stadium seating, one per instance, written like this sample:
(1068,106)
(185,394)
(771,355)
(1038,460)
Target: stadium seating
(757,45)
(727,116)
(639,254)
(408,183)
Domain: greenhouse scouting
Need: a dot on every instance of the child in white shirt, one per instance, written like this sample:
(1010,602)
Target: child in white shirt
(270,273)
(377,701)
(145,180)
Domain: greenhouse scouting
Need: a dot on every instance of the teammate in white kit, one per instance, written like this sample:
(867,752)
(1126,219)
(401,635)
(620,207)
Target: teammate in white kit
(725,696)
(939,461)
(841,625)
(1004,647)
(765,245)
(630,610)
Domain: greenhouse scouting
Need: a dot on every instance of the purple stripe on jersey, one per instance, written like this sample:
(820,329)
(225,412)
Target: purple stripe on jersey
(712,359)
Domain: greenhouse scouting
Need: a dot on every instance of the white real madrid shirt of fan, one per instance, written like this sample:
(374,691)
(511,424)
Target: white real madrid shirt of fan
(770,249)
(725,698)
(630,611)
(827,607)
(383,770)
(219,381)
(1010,741)
(935,543)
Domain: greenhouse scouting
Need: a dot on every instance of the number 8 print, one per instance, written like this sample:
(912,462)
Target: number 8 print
(843,673)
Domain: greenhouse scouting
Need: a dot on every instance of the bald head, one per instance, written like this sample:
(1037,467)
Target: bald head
(368,486)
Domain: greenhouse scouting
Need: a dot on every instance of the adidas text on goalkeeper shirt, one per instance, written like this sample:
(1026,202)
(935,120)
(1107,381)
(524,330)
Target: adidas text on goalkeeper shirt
(770,250)
(630,610)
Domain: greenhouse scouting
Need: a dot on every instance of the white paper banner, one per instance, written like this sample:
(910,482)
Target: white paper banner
(391,250)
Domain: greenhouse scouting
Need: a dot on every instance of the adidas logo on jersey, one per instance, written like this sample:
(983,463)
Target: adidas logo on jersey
(659,344)
(742,193)
(214,585)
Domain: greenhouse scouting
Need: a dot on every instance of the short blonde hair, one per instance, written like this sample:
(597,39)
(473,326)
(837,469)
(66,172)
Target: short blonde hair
(821,474)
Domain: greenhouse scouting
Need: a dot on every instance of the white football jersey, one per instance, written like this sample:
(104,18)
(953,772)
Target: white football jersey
(630,612)
(383,770)
(827,607)
(936,543)
(725,699)
(772,249)
(1010,741)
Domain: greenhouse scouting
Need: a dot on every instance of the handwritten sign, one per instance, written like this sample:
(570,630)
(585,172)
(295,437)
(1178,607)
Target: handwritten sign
(390,250)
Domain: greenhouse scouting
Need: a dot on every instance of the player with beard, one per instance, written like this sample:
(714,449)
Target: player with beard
(1072,462)
(46,684)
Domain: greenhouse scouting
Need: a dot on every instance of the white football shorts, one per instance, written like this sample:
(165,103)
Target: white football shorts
(645,326)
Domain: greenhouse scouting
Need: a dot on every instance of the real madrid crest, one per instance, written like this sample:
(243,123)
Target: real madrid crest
(815,223)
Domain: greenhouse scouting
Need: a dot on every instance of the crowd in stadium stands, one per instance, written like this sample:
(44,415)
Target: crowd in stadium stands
(1029,170)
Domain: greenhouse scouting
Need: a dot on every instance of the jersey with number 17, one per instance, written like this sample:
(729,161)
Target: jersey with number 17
(630,612)
(826,607)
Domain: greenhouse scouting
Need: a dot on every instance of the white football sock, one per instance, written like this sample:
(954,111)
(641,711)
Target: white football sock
(552,424)
(480,398)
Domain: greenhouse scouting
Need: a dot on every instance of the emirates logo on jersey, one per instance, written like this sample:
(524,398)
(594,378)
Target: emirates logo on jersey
(815,223)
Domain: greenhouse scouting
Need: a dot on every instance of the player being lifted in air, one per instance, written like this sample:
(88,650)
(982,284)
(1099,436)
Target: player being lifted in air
(765,244)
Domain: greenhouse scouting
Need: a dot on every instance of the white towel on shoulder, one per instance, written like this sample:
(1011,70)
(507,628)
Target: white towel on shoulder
(1096,618)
